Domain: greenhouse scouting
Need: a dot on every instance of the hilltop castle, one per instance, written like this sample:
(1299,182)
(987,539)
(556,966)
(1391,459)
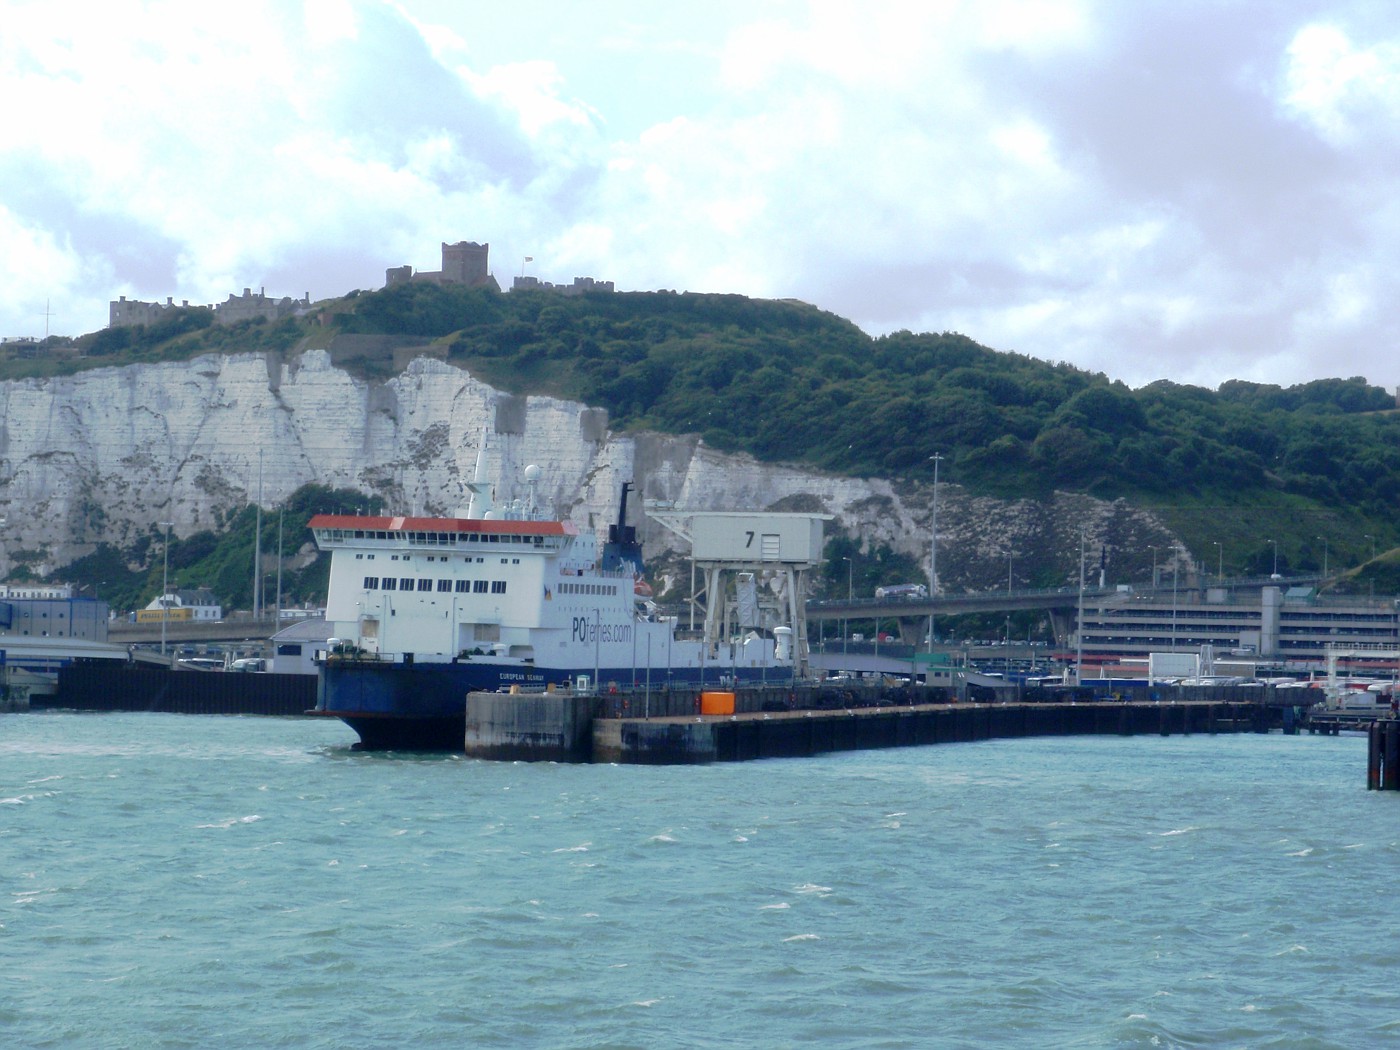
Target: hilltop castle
(237,308)
(466,263)
(579,287)
(462,263)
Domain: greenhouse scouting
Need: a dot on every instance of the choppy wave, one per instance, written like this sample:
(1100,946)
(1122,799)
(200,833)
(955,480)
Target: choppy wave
(253,882)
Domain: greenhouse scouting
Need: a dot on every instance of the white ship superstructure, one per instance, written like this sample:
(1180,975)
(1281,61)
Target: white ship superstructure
(425,610)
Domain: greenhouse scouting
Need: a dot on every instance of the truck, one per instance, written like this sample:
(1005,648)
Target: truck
(902,590)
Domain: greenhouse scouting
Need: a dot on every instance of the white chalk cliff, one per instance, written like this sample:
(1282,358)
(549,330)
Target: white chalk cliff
(103,455)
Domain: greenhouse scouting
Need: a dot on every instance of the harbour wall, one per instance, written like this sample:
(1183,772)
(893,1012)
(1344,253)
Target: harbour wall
(679,727)
(128,687)
(803,733)
(878,692)
(531,727)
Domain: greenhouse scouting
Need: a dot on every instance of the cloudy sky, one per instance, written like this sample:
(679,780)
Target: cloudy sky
(1197,190)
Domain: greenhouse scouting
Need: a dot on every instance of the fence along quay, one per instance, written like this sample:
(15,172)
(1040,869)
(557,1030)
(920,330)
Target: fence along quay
(688,726)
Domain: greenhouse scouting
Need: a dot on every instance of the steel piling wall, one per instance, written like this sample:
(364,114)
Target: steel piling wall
(98,687)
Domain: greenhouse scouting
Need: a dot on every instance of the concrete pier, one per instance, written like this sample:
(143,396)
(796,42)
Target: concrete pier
(531,727)
(790,734)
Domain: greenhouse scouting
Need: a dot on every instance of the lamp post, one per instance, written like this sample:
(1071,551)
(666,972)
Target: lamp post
(1324,555)
(1009,557)
(1153,549)
(164,584)
(1219,561)
(1373,545)
(1176,571)
(933,549)
(277,618)
(257,546)
(1079,624)
(850,597)
(1275,543)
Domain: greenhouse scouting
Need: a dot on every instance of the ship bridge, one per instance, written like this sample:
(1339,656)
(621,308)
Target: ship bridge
(347,530)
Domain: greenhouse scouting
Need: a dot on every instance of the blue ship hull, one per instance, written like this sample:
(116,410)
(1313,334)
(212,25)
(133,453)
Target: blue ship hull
(422,706)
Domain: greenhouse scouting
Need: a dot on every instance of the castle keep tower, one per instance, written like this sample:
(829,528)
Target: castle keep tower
(464,262)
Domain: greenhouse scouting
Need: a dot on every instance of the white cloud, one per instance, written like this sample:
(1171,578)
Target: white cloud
(1195,189)
(533,91)
(1332,83)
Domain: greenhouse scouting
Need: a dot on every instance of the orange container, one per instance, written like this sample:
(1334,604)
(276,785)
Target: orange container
(716,703)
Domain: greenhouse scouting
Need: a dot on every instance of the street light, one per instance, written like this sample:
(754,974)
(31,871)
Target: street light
(1079,623)
(1153,549)
(933,549)
(165,585)
(1324,555)
(1373,545)
(1175,573)
(1219,562)
(850,597)
(1008,617)
(1275,543)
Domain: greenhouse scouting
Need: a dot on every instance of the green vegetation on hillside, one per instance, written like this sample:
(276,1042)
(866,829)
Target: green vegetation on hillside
(1241,466)
(1249,473)
(786,381)
(183,335)
(223,561)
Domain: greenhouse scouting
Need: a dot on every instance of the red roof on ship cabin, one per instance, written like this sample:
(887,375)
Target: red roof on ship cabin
(355,522)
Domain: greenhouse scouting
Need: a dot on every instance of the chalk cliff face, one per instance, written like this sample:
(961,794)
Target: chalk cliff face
(104,455)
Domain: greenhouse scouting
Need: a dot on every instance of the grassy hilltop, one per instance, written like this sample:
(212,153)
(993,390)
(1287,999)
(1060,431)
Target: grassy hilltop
(1309,466)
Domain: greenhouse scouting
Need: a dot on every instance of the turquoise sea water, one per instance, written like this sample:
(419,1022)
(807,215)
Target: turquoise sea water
(182,881)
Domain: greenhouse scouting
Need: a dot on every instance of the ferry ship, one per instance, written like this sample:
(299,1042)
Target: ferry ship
(425,610)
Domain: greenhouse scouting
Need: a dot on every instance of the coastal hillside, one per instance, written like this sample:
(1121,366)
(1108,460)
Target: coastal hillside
(706,400)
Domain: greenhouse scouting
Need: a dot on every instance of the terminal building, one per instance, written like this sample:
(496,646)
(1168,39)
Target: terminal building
(51,616)
(1291,626)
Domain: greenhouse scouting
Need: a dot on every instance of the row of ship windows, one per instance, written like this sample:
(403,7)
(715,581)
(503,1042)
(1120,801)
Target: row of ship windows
(425,539)
(422,583)
(587,588)
(432,557)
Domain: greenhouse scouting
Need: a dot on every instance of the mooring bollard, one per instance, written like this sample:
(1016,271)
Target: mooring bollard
(1373,757)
